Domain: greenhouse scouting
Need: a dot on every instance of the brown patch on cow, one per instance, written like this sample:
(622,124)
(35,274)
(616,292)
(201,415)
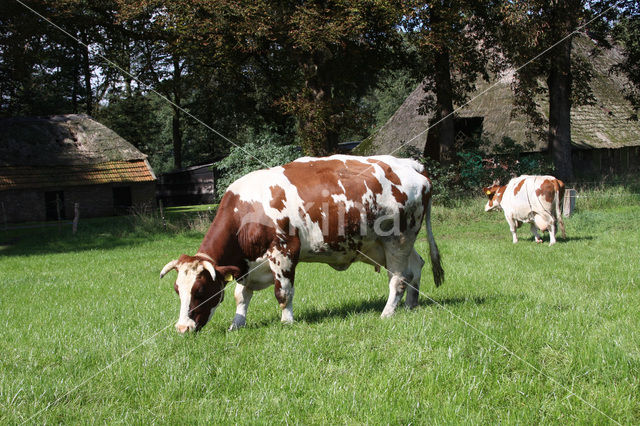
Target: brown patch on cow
(318,181)
(517,188)
(278,197)
(388,171)
(235,236)
(548,189)
(400,196)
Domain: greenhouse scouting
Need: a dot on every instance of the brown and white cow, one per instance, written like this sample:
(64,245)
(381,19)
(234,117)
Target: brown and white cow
(335,210)
(535,199)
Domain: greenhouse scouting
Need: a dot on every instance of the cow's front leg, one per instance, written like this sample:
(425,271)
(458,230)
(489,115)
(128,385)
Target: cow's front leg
(242,294)
(283,263)
(534,232)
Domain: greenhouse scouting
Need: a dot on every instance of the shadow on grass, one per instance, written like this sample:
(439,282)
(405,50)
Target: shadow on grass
(570,239)
(377,305)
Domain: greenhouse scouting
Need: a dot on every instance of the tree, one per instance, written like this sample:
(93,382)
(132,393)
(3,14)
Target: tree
(311,59)
(627,33)
(454,45)
(529,28)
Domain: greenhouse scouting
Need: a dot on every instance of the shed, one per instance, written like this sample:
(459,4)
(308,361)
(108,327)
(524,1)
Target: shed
(47,164)
(190,186)
(605,132)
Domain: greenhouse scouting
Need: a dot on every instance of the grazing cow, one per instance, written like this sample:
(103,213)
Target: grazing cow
(335,210)
(535,199)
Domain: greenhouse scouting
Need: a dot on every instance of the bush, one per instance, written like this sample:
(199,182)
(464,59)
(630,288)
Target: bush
(474,168)
(252,156)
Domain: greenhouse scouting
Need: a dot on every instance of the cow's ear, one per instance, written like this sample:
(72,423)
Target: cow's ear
(486,190)
(229,273)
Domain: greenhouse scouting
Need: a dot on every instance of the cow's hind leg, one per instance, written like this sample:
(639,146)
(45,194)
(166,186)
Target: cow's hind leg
(415,266)
(513,227)
(242,295)
(399,275)
(552,233)
(534,232)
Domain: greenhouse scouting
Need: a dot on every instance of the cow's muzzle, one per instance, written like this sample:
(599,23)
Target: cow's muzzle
(189,325)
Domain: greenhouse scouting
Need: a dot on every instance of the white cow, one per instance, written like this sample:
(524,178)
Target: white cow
(534,199)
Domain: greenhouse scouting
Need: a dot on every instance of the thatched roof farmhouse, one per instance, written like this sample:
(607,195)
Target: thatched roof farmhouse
(47,164)
(605,133)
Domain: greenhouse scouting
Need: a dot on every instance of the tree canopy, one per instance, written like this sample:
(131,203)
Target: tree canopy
(305,73)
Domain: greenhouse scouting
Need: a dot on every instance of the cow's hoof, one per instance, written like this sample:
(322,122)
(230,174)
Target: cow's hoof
(551,243)
(239,321)
(386,314)
(287,318)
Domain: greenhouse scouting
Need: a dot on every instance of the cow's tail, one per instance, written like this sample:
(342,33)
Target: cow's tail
(559,207)
(434,253)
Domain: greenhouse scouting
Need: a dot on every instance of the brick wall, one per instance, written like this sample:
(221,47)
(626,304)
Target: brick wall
(94,201)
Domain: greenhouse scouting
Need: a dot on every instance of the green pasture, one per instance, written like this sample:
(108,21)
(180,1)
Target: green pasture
(521,333)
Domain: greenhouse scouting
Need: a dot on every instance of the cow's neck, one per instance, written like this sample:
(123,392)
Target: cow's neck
(221,242)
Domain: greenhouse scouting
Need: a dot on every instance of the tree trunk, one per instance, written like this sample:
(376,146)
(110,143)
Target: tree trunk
(87,75)
(445,129)
(175,123)
(177,138)
(559,83)
(76,78)
(444,106)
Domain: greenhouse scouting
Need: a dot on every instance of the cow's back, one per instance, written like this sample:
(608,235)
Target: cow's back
(333,201)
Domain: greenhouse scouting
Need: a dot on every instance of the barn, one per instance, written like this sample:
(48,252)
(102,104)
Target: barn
(189,186)
(48,164)
(605,131)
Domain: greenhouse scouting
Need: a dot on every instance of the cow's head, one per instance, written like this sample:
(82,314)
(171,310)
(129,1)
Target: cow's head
(200,285)
(494,195)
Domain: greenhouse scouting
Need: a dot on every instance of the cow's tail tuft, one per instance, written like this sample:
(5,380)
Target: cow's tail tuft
(559,207)
(434,253)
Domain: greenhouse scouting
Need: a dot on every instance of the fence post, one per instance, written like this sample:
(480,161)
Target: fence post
(164,222)
(76,217)
(569,202)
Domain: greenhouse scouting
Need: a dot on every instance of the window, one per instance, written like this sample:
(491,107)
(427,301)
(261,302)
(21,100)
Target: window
(122,199)
(54,205)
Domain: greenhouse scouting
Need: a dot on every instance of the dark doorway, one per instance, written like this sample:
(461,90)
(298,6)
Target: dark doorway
(122,199)
(467,130)
(54,205)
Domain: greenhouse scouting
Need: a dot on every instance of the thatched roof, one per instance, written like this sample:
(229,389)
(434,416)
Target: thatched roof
(61,140)
(604,124)
(66,150)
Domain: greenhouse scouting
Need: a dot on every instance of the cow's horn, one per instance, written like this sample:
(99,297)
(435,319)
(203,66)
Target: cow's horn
(209,267)
(169,266)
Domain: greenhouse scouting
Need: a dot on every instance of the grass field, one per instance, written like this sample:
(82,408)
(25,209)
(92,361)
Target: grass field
(520,333)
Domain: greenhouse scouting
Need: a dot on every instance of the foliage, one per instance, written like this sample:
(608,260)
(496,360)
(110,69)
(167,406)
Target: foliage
(262,153)
(627,33)
(474,168)
(387,95)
